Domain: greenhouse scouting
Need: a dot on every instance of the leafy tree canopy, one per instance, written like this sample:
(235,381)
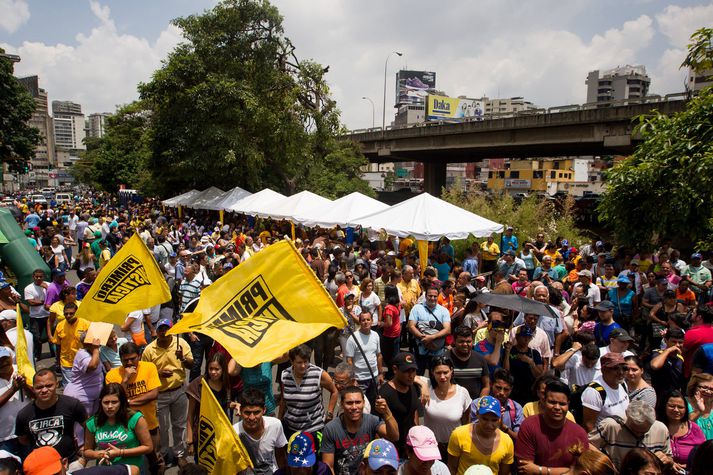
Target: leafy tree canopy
(666,186)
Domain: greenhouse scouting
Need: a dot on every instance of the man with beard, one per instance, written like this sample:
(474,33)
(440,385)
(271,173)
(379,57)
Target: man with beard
(345,438)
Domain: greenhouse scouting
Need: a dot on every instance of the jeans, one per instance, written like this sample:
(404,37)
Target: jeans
(172,412)
(389,348)
(66,376)
(199,349)
(38,328)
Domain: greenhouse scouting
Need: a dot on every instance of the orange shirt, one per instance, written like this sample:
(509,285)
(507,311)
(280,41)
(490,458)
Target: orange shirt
(446,302)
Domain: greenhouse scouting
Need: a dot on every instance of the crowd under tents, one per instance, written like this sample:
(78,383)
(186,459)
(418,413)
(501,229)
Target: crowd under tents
(423,217)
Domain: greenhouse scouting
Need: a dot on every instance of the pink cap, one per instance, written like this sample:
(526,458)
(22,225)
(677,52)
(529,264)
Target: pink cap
(424,444)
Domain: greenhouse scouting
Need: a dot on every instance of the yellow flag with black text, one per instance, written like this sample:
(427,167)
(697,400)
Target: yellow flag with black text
(268,304)
(24,364)
(219,447)
(130,281)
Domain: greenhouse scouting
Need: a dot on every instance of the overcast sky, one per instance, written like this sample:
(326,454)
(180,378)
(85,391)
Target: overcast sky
(95,52)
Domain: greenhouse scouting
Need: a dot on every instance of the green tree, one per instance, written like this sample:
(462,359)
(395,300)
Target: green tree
(666,186)
(120,156)
(17,139)
(233,105)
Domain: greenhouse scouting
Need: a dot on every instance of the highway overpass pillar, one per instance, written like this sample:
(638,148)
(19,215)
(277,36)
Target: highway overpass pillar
(434,177)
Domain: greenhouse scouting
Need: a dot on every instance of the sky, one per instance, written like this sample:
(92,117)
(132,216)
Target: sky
(95,52)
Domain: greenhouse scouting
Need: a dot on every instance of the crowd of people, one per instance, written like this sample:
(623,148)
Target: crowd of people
(615,378)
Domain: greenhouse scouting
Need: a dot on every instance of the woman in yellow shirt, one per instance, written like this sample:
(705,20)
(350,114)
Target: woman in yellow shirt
(481,443)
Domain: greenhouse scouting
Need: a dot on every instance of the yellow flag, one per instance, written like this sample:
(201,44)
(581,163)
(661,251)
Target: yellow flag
(220,450)
(422,255)
(131,280)
(268,304)
(24,365)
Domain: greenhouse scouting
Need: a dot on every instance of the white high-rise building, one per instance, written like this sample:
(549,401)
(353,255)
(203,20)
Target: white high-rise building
(69,129)
(620,83)
(96,124)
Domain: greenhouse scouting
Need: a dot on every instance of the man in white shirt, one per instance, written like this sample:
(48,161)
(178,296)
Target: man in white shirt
(608,395)
(589,290)
(619,341)
(8,320)
(579,364)
(35,295)
(11,385)
(262,436)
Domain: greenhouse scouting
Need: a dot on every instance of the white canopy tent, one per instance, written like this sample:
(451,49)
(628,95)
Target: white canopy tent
(341,211)
(304,201)
(205,196)
(229,198)
(177,200)
(262,198)
(428,218)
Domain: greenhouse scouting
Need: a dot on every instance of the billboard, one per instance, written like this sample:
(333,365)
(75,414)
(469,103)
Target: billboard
(451,108)
(412,87)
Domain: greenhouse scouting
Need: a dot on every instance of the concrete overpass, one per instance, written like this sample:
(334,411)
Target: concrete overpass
(590,129)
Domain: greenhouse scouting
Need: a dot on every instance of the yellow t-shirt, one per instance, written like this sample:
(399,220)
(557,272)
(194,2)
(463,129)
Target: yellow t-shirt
(461,445)
(533,409)
(68,338)
(58,309)
(145,380)
(165,358)
(104,257)
(490,252)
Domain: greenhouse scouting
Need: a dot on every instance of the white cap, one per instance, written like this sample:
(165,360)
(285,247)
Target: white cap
(8,315)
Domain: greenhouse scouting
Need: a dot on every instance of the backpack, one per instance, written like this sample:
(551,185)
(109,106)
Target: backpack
(575,399)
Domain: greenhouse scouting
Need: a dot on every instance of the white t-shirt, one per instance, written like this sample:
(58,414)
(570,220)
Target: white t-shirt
(615,405)
(262,451)
(370,304)
(8,412)
(372,346)
(36,292)
(576,373)
(593,294)
(137,326)
(59,252)
(12,336)
(603,350)
(442,416)
(153,312)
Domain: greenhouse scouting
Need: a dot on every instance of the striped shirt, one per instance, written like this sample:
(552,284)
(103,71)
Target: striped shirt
(189,291)
(615,439)
(305,410)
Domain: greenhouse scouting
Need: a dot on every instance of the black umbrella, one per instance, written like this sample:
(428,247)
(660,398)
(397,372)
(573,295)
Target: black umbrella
(517,303)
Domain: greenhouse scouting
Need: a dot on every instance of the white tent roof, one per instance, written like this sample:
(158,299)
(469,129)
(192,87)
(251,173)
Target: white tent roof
(263,197)
(229,198)
(428,218)
(206,196)
(302,202)
(177,200)
(341,211)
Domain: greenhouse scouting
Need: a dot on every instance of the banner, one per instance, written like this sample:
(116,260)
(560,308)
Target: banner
(131,280)
(219,447)
(445,108)
(268,304)
(412,87)
(24,365)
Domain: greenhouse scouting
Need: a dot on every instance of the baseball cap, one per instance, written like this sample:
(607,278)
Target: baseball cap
(381,452)
(634,262)
(604,306)
(696,255)
(8,314)
(480,278)
(526,331)
(620,334)
(4,352)
(404,361)
(185,252)
(4,284)
(612,360)
(599,244)
(510,253)
(164,322)
(172,254)
(585,273)
(301,451)
(57,273)
(622,279)
(43,461)
(565,242)
(478,470)
(424,443)
(484,405)
(349,294)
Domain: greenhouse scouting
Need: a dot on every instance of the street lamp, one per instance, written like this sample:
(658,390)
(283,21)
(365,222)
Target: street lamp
(372,110)
(383,118)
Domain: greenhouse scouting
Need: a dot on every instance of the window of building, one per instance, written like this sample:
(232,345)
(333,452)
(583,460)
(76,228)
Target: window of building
(490,174)
(514,173)
(557,165)
(553,174)
(537,174)
(501,174)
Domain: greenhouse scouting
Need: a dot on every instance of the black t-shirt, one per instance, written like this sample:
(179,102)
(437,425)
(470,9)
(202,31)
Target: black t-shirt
(469,373)
(52,427)
(521,372)
(670,376)
(403,406)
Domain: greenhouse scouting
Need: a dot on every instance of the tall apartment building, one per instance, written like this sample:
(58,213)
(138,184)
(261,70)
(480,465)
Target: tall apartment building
(507,105)
(45,157)
(699,80)
(623,82)
(69,125)
(96,124)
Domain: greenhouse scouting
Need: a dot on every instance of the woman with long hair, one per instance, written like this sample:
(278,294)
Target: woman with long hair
(700,402)
(218,379)
(639,389)
(592,462)
(448,403)
(641,462)
(85,260)
(60,256)
(673,411)
(390,327)
(116,434)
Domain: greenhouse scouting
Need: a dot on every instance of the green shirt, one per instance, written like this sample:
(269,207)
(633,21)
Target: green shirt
(119,436)
(561,271)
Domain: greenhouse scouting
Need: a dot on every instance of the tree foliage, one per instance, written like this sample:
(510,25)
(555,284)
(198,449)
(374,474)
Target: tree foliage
(17,139)
(666,186)
(232,105)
